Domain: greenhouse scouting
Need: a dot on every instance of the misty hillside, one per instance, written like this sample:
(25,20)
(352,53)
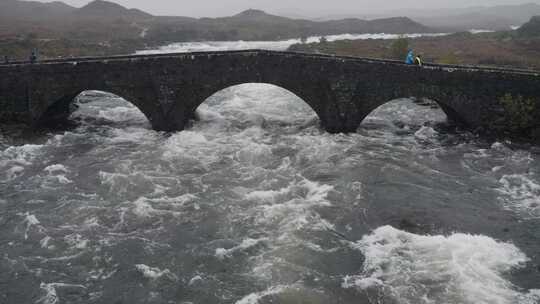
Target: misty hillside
(531,28)
(105,9)
(500,17)
(33,10)
(102,21)
(493,18)
(258,25)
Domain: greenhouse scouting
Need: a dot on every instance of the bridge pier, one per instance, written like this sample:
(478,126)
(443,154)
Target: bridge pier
(58,113)
(339,128)
(175,118)
(337,123)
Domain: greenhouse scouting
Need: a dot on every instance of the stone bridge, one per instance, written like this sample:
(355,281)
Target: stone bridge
(168,88)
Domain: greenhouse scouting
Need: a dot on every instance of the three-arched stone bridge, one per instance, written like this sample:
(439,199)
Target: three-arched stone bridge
(168,88)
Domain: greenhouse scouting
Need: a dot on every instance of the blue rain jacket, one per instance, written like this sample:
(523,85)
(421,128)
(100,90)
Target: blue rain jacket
(410,58)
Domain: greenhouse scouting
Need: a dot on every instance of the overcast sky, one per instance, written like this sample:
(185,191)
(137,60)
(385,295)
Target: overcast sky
(213,8)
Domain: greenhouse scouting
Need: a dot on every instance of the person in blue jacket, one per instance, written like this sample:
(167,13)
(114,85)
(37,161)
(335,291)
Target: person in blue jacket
(410,57)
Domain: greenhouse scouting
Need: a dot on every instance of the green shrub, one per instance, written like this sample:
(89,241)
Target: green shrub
(399,48)
(520,111)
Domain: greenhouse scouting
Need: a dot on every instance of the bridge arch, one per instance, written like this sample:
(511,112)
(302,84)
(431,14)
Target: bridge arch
(403,112)
(263,98)
(451,115)
(372,98)
(60,108)
(304,94)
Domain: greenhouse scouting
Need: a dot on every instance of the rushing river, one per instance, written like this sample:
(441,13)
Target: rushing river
(281,45)
(255,203)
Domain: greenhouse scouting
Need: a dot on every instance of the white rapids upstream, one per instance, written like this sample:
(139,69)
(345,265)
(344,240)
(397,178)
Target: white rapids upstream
(280,45)
(255,203)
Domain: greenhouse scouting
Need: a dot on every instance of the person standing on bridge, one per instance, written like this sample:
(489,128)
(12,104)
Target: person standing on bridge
(418,60)
(33,56)
(6,59)
(410,58)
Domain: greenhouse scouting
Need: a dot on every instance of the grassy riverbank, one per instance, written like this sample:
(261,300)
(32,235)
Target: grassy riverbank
(19,49)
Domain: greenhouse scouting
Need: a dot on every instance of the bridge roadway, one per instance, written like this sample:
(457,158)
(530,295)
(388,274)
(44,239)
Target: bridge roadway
(168,88)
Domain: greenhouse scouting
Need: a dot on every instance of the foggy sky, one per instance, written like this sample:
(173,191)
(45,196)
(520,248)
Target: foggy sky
(214,8)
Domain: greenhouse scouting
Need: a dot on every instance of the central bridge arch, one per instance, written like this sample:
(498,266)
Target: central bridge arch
(244,102)
(268,100)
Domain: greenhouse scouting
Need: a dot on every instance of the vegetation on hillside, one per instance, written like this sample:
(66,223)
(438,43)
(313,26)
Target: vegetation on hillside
(20,49)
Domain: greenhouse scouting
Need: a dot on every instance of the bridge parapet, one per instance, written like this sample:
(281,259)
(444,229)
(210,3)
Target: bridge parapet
(168,88)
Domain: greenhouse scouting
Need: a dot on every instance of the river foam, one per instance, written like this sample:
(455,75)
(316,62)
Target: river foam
(280,45)
(459,268)
(521,193)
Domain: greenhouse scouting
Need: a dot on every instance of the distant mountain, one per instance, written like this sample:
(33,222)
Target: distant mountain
(493,18)
(500,17)
(52,11)
(33,10)
(531,28)
(97,22)
(393,25)
(105,9)
(102,21)
(257,16)
(258,25)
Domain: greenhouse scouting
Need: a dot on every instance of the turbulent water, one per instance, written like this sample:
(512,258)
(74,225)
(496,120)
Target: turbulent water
(255,203)
(281,45)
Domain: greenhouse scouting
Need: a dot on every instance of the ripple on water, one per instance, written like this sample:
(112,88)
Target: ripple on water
(521,193)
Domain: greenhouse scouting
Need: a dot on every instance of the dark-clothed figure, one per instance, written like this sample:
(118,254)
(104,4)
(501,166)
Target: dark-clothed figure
(33,56)
(418,60)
